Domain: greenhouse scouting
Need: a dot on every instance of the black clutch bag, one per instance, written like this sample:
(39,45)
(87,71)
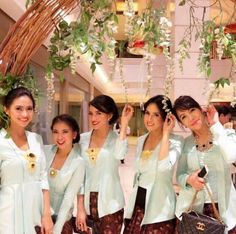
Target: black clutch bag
(195,223)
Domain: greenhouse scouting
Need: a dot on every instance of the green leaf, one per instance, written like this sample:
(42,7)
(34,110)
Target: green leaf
(234,58)
(115,18)
(182,3)
(227,81)
(63,24)
(93,67)
(62,77)
(208,73)
(121,47)
(53,48)
(74,25)
(222,82)
(226,41)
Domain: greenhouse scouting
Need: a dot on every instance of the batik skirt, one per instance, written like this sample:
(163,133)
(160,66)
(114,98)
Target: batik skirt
(107,224)
(67,228)
(133,225)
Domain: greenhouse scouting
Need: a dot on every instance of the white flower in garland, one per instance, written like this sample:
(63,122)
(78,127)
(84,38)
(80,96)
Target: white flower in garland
(210,91)
(166,42)
(129,14)
(49,77)
(124,84)
(149,65)
(74,60)
(233,103)
(165,22)
(129,8)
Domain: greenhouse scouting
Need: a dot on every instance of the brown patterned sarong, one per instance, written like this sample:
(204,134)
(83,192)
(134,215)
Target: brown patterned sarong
(165,227)
(109,224)
(133,225)
(68,226)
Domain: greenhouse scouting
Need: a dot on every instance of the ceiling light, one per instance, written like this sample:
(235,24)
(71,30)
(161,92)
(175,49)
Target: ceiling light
(120,7)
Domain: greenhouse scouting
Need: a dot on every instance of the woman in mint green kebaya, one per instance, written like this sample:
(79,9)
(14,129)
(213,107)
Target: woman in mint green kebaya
(151,208)
(24,197)
(102,150)
(212,145)
(65,172)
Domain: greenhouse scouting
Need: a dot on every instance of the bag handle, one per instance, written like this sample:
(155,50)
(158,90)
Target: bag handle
(216,213)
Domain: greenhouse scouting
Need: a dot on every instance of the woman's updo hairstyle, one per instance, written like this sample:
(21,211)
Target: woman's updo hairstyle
(106,105)
(16,93)
(162,102)
(70,121)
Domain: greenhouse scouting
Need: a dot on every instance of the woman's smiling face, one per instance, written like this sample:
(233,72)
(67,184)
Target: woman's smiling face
(152,118)
(98,119)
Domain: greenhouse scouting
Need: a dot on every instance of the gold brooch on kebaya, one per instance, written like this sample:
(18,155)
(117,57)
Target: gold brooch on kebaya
(146,154)
(31,162)
(93,154)
(52,172)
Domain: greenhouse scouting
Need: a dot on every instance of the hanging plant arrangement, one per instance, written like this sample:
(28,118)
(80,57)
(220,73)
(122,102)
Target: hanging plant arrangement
(210,34)
(92,34)
(149,35)
(150,32)
(216,42)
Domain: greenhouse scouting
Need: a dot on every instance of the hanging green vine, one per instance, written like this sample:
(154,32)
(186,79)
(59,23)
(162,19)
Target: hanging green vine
(92,34)
(209,32)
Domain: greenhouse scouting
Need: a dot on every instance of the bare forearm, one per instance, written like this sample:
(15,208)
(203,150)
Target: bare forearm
(47,224)
(46,205)
(80,203)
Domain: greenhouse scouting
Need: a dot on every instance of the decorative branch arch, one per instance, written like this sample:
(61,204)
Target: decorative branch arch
(29,32)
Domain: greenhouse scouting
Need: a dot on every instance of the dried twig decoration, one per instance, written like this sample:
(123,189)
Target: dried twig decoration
(29,32)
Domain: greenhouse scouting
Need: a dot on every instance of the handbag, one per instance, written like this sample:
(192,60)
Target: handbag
(90,225)
(196,223)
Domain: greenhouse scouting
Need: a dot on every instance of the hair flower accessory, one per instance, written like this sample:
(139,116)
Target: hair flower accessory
(165,105)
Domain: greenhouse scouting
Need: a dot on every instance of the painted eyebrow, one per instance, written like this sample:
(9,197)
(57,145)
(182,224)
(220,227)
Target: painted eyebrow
(156,113)
(66,129)
(181,115)
(153,112)
(27,107)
